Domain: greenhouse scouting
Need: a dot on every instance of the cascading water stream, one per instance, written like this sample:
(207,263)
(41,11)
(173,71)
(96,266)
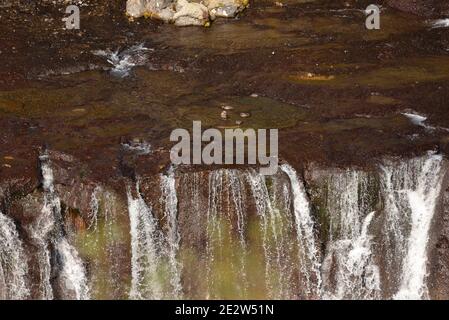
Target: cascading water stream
(49,229)
(310,262)
(232,233)
(145,246)
(273,240)
(349,270)
(156,271)
(13,262)
(170,203)
(413,188)
(225,227)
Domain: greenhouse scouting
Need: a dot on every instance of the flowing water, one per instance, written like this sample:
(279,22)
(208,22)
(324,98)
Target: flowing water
(305,229)
(145,250)
(349,271)
(170,205)
(49,235)
(412,189)
(156,271)
(363,232)
(234,233)
(13,262)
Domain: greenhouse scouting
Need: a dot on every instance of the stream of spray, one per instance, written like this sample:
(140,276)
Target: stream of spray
(13,262)
(412,189)
(49,229)
(349,270)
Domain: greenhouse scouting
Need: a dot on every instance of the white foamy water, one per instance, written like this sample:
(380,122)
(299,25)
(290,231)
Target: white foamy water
(413,189)
(441,23)
(156,271)
(416,119)
(13,262)
(276,227)
(49,228)
(72,271)
(420,120)
(123,61)
(349,271)
(309,253)
(170,202)
(138,147)
(145,247)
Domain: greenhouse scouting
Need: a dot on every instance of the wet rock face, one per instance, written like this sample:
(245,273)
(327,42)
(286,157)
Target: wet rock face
(183,12)
(423,8)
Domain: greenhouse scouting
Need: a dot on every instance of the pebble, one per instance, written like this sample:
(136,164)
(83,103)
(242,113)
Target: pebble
(244,115)
(224,115)
(227,107)
(238,122)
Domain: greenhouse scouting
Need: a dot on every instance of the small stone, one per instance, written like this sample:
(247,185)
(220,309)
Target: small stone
(238,122)
(6,165)
(224,115)
(227,107)
(245,115)
(254,95)
(8,158)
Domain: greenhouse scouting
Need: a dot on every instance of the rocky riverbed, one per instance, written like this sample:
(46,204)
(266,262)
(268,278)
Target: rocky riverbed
(99,104)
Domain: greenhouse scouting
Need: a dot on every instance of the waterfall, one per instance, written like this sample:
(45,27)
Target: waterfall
(145,246)
(349,270)
(411,190)
(49,230)
(272,238)
(13,262)
(72,270)
(170,202)
(277,228)
(156,271)
(225,228)
(40,231)
(104,242)
(309,253)
(231,234)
